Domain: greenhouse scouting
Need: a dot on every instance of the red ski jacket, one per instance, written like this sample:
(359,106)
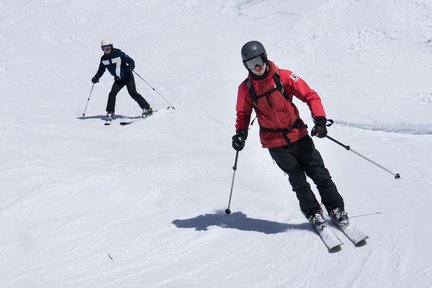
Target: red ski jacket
(278,117)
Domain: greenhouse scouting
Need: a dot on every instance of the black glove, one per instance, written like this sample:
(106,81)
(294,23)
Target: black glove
(95,79)
(131,67)
(239,140)
(320,129)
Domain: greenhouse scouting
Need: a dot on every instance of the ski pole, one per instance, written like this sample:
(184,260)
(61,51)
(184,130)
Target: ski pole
(170,106)
(396,175)
(228,211)
(85,109)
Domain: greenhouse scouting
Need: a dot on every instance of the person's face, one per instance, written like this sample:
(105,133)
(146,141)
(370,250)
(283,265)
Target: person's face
(107,49)
(256,65)
(259,70)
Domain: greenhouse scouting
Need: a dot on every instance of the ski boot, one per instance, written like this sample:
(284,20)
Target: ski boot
(339,217)
(147,112)
(109,118)
(317,220)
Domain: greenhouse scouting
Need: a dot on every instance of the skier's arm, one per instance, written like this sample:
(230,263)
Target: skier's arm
(300,89)
(101,70)
(244,108)
(129,61)
(99,73)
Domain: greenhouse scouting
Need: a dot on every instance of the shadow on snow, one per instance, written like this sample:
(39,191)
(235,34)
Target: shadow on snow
(239,221)
(103,117)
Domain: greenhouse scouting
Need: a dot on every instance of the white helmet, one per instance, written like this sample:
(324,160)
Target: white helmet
(106,42)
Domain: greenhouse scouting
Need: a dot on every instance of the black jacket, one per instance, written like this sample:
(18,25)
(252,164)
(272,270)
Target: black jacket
(118,64)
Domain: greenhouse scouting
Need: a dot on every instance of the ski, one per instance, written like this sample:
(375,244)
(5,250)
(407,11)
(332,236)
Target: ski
(123,123)
(355,235)
(329,238)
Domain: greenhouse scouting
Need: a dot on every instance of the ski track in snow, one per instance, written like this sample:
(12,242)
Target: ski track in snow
(421,271)
(401,128)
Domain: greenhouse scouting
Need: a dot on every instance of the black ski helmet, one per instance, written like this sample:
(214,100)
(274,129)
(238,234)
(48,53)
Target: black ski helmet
(251,50)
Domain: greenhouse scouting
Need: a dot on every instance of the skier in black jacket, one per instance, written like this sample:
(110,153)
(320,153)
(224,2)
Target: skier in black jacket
(120,66)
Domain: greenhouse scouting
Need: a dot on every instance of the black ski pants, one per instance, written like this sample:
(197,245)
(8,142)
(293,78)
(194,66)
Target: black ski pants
(299,159)
(130,85)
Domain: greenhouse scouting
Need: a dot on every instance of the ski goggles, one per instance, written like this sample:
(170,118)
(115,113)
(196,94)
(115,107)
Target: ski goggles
(251,64)
(106,47)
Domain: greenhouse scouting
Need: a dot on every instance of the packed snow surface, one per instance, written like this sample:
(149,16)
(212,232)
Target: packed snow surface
(85,205)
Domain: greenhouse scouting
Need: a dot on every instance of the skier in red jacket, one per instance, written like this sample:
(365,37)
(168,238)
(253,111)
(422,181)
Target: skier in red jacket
(269,91)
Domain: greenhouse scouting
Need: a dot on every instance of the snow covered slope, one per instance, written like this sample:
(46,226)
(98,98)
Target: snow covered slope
(84,205)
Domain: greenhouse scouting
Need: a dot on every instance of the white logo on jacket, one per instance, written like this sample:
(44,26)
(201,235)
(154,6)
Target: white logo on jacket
(294,77)
(116,61)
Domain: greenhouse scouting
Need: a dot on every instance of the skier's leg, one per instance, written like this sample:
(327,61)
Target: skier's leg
(116,87)
(286,158)
(131,87)
(314,167)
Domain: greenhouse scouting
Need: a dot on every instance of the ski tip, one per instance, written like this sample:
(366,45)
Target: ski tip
(335,249)
(361,243)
